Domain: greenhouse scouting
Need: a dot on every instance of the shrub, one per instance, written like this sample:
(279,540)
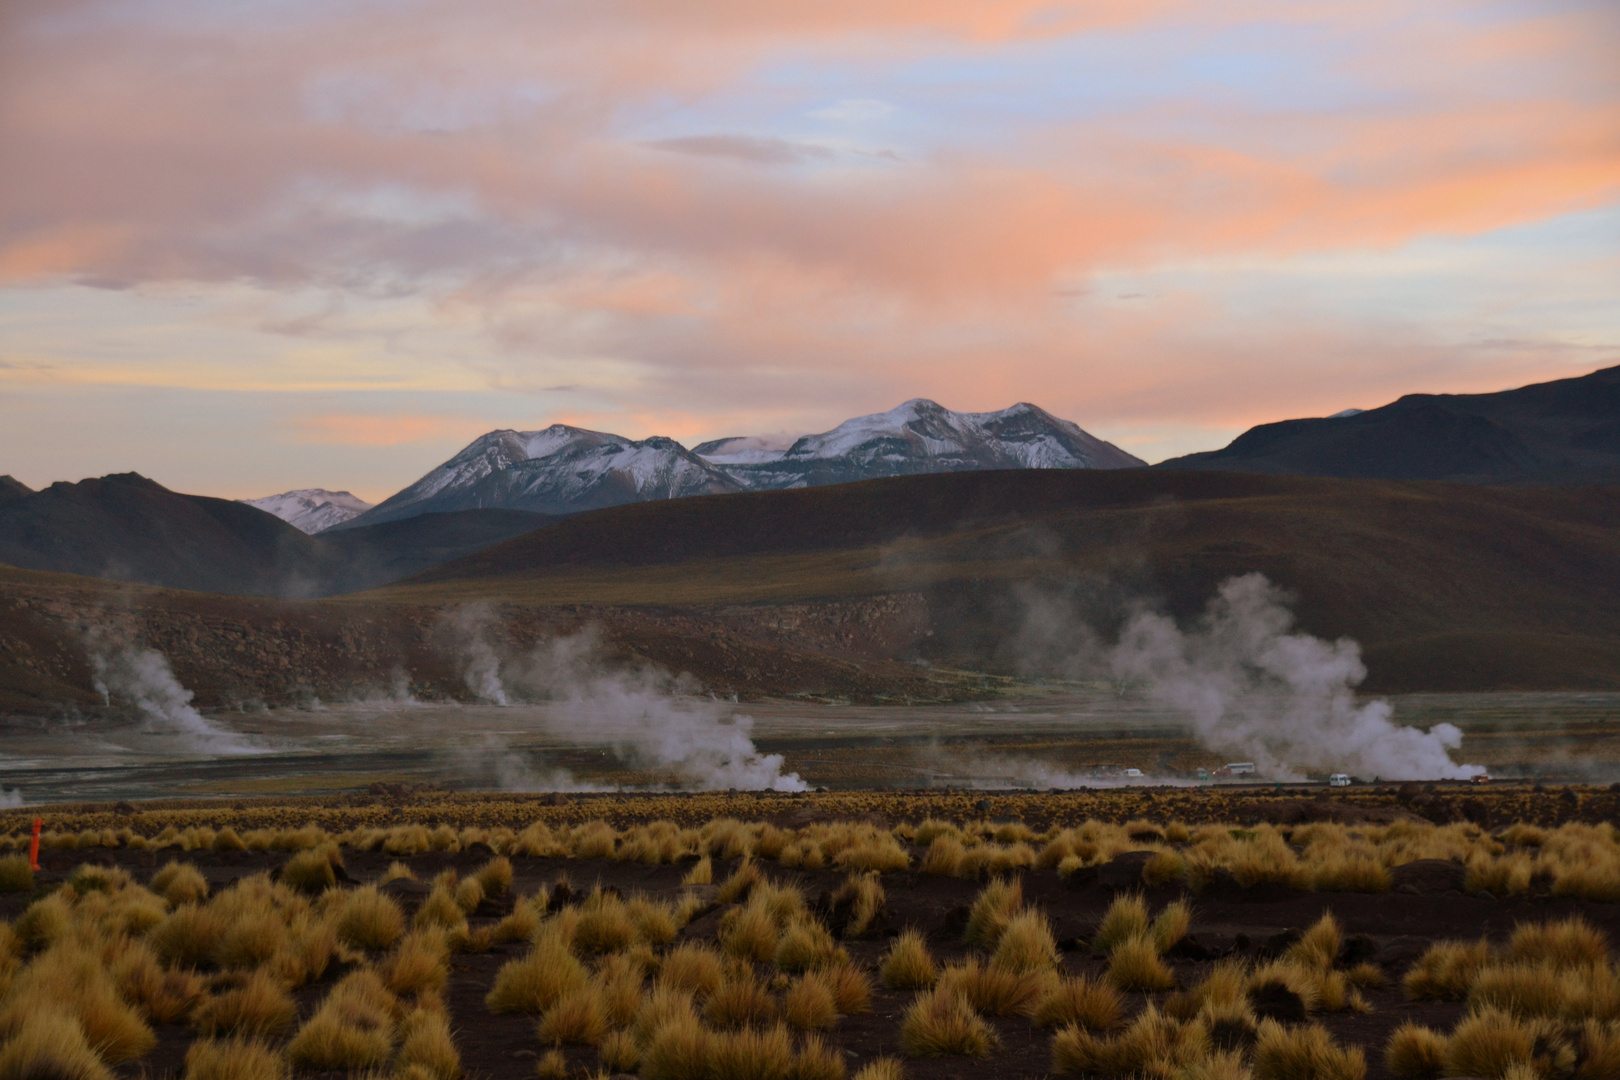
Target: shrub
(419,964)
(749,933)
(991,912)
(691,967)
(702,873)
(71,980)
(165,995)
(1125,919)
(742,880)
(944,858)
(620,1052)
(233,1059)
(862,895)
(1600,1051)
(883,1068)
(851,989)
(551,1066)
(655,923)
(1307,1052)
(469,893)
(1318,947)
(752,1055)
(1488,1043)
(250,938)
(577,1016)
(937,1024)
(809,1003)
(740,1001)
(1525,990)
(180,883)
(678,1049)
(1092,1005)
(427,1046)
(1135,965)
(495,876)
(804,946)
(1571,942)
(908,965)
(1170,925)
(440,909)
(1446,970)
(531,984)
(1026,944)
(604,925)
(1153,1045)
(370,920)
(50,1045)
(352,1029)
(994,991)
(817,1061)
(260,1006)
(1416,1053)
(877,854)
(1350,871)
(311,871)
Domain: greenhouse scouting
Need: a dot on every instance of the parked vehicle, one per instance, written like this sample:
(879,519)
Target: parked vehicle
(1480,778)
(1339,779)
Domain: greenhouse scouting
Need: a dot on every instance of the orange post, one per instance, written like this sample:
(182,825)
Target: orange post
(33,847)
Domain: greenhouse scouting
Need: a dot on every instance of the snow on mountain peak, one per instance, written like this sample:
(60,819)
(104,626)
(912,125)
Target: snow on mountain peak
(312,510)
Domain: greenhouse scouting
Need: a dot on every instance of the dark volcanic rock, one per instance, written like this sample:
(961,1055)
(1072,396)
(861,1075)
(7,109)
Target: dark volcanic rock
(1429,876)
(1274,1001)
(1124,871)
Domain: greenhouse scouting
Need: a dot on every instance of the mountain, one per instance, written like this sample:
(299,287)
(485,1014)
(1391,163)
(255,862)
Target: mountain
(12,489)
(129,528)
(561,470)
(1561,432)
(311,510)
(565,470)
(919,436)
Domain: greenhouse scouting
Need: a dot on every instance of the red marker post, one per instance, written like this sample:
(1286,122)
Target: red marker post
(33,847)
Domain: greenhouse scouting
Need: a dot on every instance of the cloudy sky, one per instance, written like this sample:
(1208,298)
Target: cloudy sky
(254,245)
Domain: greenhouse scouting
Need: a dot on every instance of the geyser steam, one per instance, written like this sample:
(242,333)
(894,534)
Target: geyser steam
(142,677)
(646,716)
(1256,690)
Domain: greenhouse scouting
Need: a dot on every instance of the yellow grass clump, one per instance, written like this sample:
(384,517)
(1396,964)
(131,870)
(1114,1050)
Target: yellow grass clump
(1307,1052)
(992,911)
(233,1059)
(702,873)
(1026,944)
(180,883)
(258,1006)
(749,933)
(938,1024)
(419,964)
(1446,970)
(752,1054)
(1125,919)
(862,895)
(883,1068)
(804,946)
(809,1003)
(1135,965)
(817,1061)
(908,964)
(691,967)
(369,920)
(851,989)
(740,1001)
(352,1029)
(426,1047)
(1093,1005)
(311,871)
(1416,1053)
(532,983)
(16,875)
(51,1046)
(1152,1045)
(678,1049)
(577,1016)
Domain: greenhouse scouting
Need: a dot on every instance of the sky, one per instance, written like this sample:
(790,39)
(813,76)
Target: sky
(253,246)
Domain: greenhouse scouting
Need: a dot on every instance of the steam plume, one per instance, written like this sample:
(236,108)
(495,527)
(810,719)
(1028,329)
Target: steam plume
(1283,699)
(142,677)
(10,798)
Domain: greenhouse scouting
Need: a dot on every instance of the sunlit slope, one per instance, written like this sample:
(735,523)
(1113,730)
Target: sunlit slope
(1445,585)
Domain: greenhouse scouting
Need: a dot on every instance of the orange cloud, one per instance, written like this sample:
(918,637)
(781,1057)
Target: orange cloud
(351,429)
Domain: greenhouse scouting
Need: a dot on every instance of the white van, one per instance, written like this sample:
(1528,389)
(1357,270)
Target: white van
(1339,779)
(1131,772)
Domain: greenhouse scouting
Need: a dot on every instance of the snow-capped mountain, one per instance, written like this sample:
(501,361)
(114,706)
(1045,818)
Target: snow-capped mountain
(563,469)
(312,510)
(918,437)
(560,470)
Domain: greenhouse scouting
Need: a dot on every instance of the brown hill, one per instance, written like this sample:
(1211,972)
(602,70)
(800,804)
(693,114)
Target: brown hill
(843,591)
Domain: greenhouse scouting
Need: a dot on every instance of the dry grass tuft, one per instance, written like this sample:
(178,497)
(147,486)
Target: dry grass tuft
(945,857)
(16,876)
(938,1024)
(495,876)
(1491,1043)
(1446,970)
(369,920)
(1153,1045)
(551,1066)
(1416,1053)
(532,983)
(883,1068)
(996,992)
(908,965)
(805,946)
(50,1046)
(736,888)
(809,1003)
(1026,944)
(259,1006)
(426,1045)
(992,911)
(740,1001)
(851,989)
(817,1061)
(752,1055)
(311,871)
(862,895)
(1092,1005)
(702,873)
(440,909)
(1567,943)
(749,933)
(233,1059)
(1126,919)
(1304,1053)
(352,1029)
(577,1016)
(419,964)
(180,883)
(1135,965)
(1170,925)
(678,1049)
(694,968)
(620,1052)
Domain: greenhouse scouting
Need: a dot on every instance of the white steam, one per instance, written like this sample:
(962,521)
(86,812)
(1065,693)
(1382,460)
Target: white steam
(143,678)
(1257,691)
(643,715)
(10,798)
